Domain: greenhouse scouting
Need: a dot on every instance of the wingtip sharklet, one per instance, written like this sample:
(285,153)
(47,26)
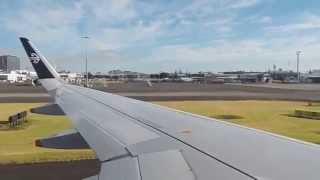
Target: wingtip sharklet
(42,67)
(23,39)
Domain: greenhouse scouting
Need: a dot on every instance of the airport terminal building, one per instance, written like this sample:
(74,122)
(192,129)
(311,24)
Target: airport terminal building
(9,63)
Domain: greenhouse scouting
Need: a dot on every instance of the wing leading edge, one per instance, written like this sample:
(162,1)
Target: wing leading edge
(139,140)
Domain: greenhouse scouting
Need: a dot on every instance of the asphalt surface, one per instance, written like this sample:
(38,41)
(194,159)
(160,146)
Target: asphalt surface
(158,92)
(76,170)
(7,88)
(22,94)
(180,91)
(310,87)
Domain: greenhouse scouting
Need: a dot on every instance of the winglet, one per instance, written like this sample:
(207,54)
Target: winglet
(40,64)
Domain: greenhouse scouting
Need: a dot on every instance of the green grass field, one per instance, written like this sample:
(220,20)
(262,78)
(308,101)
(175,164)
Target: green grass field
(271,116)
(17,145)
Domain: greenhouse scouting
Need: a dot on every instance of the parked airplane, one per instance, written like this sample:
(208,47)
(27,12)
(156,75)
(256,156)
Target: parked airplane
(137,140)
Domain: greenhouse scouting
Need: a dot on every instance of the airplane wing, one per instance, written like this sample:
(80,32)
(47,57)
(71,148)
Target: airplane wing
(137,140)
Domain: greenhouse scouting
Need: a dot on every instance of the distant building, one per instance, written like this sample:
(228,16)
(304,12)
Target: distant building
(9,63)
(126,75)
(284,76)
(73,78)
(241,77)
(14,77)
(313,76)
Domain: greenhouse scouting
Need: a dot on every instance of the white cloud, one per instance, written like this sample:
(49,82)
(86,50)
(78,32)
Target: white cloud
(242,3)
(99,60)
(111,10)
(252,54)
(309,22)
(296,27)
(115,38)
(115,26)
(265,20)
(218,51)
(45,23)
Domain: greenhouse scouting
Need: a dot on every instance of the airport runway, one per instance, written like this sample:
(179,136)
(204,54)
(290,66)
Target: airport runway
(24,97)
(189,91)
(181,91)
(223,95)
(8,88)
(305,87)
(76,170)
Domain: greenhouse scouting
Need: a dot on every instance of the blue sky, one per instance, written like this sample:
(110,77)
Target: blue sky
(153,36)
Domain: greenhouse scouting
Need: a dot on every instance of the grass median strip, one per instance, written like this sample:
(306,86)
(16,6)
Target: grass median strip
(17,145)
(271,116)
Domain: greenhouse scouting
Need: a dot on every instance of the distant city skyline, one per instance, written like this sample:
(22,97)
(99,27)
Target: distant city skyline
(154,36)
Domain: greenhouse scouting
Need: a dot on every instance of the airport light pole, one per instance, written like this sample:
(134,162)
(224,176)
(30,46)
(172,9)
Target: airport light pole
(298,64)
(86,58)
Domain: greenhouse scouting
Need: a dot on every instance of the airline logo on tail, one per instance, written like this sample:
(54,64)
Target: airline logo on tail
(40,64)
(35,59)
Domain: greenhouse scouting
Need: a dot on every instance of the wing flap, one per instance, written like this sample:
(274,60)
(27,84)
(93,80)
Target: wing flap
(169,165)
(124,169)
(105,146)
(48,109)
(70,139)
